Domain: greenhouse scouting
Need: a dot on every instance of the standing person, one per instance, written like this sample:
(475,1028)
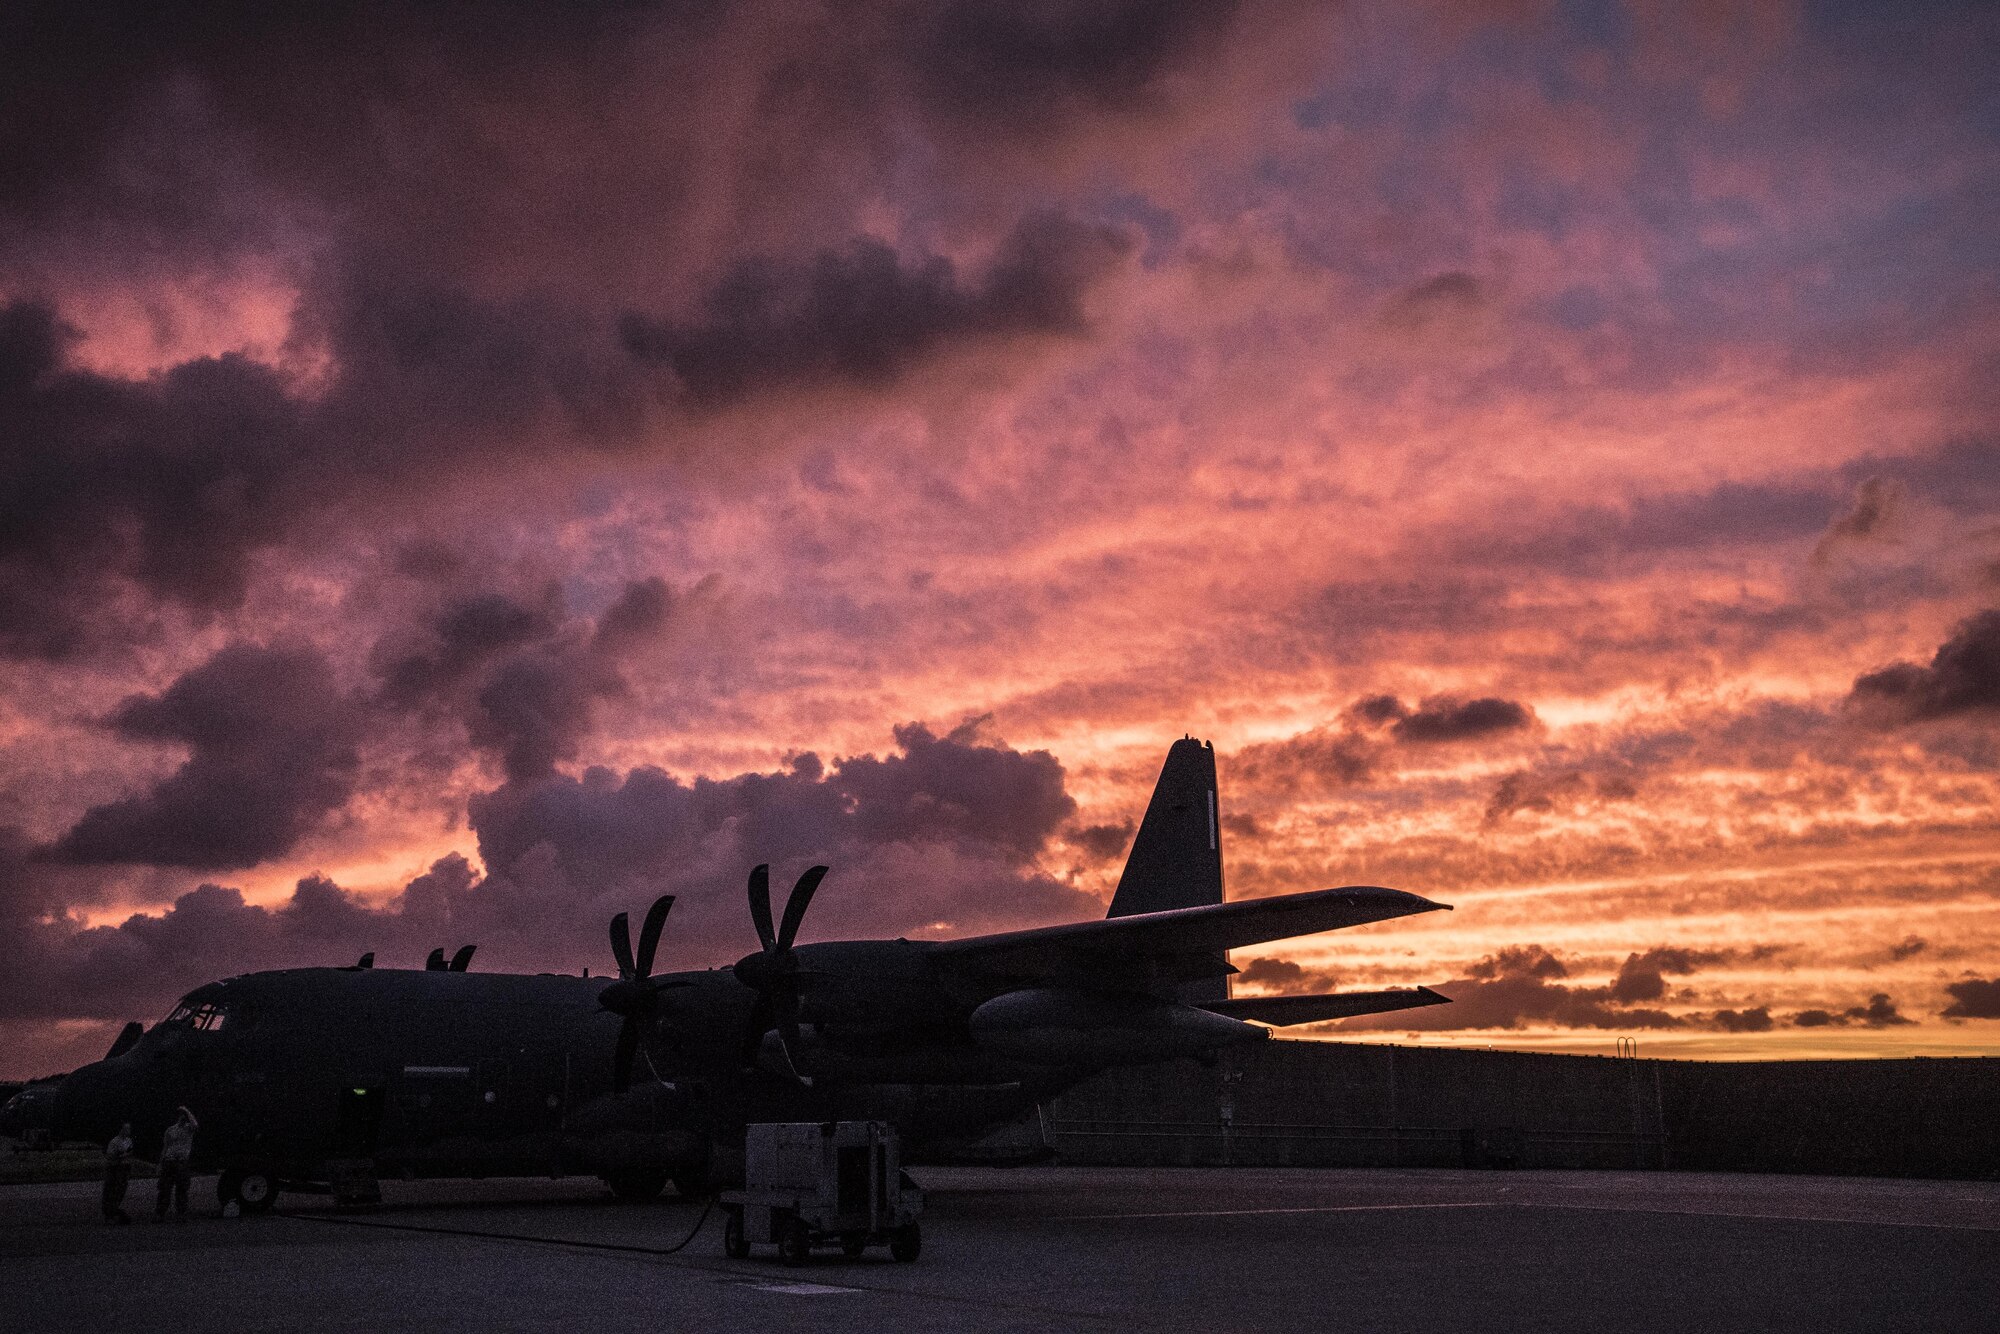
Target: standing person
(117,1172)
(176,1149)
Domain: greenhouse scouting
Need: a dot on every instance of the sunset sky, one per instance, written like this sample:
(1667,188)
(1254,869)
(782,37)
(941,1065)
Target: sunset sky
(467,468)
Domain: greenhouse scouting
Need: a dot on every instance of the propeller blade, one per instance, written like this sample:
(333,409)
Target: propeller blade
(754,1031)
(366,961)
(621,1061)
(463,959)
(435,963)
(649,933)
(621,946)
(760,905)
(795,907)
(127,1036)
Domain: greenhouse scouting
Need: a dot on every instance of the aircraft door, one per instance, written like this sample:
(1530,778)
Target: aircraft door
(358,1124)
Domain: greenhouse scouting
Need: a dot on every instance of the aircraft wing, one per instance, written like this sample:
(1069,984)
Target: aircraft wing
(1177,942)
(1283,1010)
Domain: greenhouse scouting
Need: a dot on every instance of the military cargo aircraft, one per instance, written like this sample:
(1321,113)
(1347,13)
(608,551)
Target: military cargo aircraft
(305,1076)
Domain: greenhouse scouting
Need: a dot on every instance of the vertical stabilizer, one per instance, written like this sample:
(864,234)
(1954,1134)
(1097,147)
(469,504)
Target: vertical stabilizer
(1176,861)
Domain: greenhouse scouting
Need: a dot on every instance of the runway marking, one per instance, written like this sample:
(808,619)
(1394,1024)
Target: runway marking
(799,1289)
(1303,1209)
(1758,1218)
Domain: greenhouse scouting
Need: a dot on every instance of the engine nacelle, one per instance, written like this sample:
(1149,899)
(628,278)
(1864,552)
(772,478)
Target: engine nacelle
(1060,1026)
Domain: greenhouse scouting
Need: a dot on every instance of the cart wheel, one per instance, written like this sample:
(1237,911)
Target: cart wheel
(906,1243)
(794,1242)
(254,1190)
(852,1247)
(734,1244)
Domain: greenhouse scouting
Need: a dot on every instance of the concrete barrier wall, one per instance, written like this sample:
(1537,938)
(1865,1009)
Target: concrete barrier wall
(1333,1104)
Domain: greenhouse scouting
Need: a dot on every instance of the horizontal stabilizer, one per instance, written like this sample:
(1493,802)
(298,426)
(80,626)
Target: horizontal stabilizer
(1285,1010)
(1191,934)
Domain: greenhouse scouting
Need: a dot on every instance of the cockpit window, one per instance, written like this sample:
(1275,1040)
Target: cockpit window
(205,1017)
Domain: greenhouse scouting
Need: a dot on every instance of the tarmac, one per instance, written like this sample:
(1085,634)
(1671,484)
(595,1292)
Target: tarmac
(1048,1248)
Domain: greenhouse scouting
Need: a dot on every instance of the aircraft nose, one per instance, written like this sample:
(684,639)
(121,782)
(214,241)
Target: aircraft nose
(85,1104)
(27,1111)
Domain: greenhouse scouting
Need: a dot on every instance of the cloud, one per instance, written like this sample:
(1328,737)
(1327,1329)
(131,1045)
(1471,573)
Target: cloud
(1877,503)
(273,750)
(863,318)
(1282,977)
(1642,977)
(1102,841)
(521,676)
(1443,718)
(170,482)
(940,836)
(1757,1020)
(1963,677)
(1522,985)
(1879,1012)
(1973,998)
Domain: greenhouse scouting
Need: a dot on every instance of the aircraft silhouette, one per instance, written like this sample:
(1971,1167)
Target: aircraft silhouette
(300,1075)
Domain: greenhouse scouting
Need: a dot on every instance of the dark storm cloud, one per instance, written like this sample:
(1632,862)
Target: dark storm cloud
(1879,1012)
(1962,475)
(1436,300)
(1527,790)
(1756,1020)
(274,742)
(1284,978)
(865,317)
(1034,65)
(1593,539)
(1002,803)
(1974,998)
(521,677)
(1323,757)
(273,750)
(1528,984)
(1963,677)
(1102,841)
(1443,718)
(942,832)
(170,482)
(1877,501)
(1642,977)
(462,199)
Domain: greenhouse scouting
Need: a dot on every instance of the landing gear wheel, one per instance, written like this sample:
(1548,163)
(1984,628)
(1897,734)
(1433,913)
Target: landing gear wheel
(794,1243)
(254,1191)
(637,1187)
(734,1244)
(852,1247)
(906,1243)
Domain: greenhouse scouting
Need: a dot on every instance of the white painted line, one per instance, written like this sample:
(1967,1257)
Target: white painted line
(1307,1209)
(800,1289)
(1759,1218)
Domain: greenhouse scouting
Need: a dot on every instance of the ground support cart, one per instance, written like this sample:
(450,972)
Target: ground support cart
(822,1183)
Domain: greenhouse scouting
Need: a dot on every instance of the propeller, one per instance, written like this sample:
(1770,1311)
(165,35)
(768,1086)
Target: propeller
(127,1037)
(773,972)
(634,997)
(461,960)
(435,963)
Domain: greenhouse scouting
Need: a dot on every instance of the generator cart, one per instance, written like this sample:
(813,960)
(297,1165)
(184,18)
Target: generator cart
(812,1183)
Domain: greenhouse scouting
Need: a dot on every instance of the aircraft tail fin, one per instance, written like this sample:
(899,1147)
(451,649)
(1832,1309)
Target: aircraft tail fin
(1176,860)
